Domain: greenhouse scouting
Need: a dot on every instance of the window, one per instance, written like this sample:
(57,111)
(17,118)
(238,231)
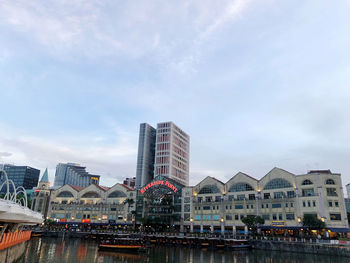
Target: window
(217,198)
(278,183)
(187,208)
(236,217)
(238,206)
(266,195)
(278,195)
(276,205)
(336,204)
(267,205)
(251,196)
(197,217)
(335,217)
(228,217)
(262,205)
(247,206)
(213,207)
(306,182)
(206,207)
(331,192)
(291,204)
(290,194)
(330,203)
(314,203)
(230,197)
(290,217)
(240,197)
(65,194)
(266,216)
(241,217)
(330,181)
(91,195)
(304,204)
(200,199)
(209,189)
(286,204)
(216,217)
(280,217)
(308,192)
(187,199)
(116,194)
(208,199)
(274,216)
(251,206)
(241,187)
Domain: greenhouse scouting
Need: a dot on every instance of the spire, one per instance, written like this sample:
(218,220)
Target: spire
(45,177)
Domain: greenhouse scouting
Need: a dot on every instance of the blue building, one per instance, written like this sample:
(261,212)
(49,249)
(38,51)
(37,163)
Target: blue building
(25,176)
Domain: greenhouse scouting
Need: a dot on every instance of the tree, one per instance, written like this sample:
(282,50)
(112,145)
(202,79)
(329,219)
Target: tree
(252,222)
(349,217)
(312,222)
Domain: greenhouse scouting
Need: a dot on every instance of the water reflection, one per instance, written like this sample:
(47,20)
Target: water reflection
(47,250)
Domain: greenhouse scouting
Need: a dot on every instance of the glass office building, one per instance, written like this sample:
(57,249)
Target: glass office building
(74,174)
(25,176)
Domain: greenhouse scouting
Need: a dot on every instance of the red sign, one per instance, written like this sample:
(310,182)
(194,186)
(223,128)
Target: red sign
(63,220)
(86,221)
(159,182)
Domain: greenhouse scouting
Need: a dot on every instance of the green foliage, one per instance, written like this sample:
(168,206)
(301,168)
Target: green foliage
(312,222)
(252,222)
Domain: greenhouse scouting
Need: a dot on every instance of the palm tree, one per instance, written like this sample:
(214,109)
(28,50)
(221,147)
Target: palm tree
(129,202)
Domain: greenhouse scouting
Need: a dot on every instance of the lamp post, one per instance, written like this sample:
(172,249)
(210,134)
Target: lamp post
(222,221)
(191,229)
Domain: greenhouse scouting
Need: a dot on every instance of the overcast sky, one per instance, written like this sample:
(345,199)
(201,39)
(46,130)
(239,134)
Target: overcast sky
(255,83)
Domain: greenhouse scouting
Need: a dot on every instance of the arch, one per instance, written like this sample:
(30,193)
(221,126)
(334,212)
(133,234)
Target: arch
(330,181)
(307,182)
(241,187)
(65,194)
(91,194)
(116,194)
(209,189)
(277,183)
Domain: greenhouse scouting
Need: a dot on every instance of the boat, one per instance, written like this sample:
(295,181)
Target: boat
(237,244)
(36,234)
(123,244)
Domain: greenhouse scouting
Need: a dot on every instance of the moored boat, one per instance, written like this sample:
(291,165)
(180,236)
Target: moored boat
(123,244)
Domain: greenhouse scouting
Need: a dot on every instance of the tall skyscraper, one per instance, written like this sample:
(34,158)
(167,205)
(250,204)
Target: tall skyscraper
(169,155)
(145,157)
(74,174)
(348,190)
(25,176)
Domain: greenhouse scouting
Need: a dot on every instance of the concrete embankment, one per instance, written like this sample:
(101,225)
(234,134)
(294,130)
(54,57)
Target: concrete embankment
(12,254)
(302,247)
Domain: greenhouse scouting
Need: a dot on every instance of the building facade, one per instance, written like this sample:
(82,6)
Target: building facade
(41,196)
(93,204)
(145,156)
(131,182)
(162,152)
(24,176)
(74,174)
(172,153)
(280,197)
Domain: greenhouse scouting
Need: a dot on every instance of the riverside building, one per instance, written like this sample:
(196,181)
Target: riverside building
(41,195)
(93,204)
(280,197)
(162,152)
(24,176)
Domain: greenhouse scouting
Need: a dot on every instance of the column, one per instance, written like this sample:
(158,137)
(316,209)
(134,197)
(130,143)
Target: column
(234,231)
(191,229)
(211,228)
(201,228)
(223,228)
(245,230)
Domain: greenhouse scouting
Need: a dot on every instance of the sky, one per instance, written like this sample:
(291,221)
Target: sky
(256,84)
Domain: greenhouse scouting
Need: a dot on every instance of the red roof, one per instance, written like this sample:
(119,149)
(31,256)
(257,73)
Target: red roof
(103,188)
(127,187)
(76,188)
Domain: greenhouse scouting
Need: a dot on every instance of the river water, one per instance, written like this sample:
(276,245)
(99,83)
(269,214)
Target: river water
(47,250)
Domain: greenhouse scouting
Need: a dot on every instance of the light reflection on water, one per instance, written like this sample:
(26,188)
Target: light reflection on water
(47,250)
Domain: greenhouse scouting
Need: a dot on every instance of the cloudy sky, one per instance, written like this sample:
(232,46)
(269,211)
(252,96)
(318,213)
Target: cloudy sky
(255,83)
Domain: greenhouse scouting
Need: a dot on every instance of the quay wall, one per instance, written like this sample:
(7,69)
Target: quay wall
(12,254)
(314,248)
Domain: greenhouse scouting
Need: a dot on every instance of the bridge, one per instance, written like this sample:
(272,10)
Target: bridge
(14,214)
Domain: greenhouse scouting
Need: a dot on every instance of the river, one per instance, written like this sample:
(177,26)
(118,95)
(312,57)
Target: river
(47,250)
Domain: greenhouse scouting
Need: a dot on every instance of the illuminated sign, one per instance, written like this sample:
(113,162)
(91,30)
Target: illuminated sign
(104,217)
(94,178)
(278,223)
(159,182)
(85,220)
(63,220)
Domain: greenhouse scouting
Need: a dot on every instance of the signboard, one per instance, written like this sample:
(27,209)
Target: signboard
(159,182)
(278,223)
(86,221)
(63,220)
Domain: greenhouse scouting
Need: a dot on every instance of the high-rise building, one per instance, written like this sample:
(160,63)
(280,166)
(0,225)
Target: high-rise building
(25,176)
(145,157)
(172,153)
(168,151)
(74,174)
(348,190)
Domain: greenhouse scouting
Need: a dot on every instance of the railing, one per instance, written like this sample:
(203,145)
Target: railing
(14,238)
